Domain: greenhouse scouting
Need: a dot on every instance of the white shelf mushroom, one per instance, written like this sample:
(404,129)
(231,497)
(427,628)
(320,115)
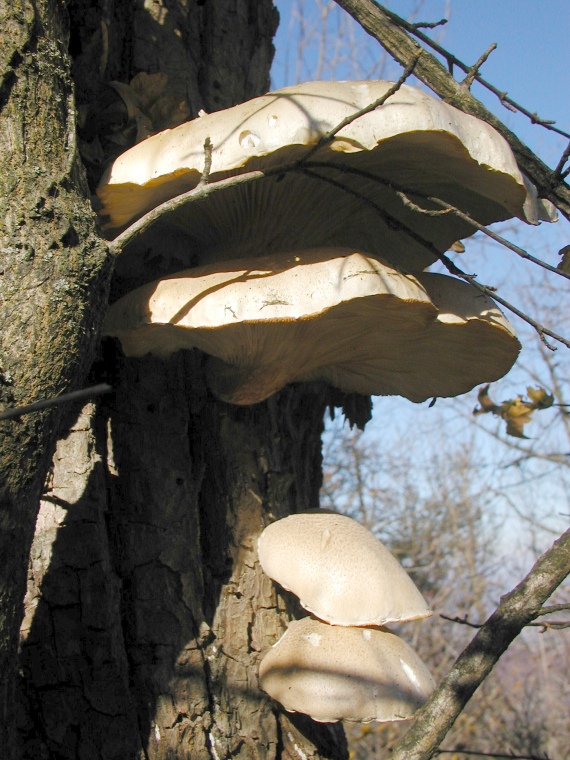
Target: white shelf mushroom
(324,314)
(355,674)
(413,141)
(340,571)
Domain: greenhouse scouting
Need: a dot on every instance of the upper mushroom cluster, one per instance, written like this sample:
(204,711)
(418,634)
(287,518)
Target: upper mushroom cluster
(345,664)
(322,274)
(412,142)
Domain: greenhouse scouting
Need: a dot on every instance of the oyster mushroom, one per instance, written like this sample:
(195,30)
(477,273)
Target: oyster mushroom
(325,314)
(412,141)
(355,674)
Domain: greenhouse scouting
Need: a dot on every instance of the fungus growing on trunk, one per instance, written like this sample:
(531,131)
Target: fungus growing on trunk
(412,142)
(342,668)
(326,314)
(340,571)
(356,674)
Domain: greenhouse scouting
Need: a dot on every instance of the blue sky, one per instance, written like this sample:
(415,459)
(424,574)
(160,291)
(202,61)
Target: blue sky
(531,64)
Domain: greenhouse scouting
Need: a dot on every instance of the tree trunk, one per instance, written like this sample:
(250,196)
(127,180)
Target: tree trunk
(54,277)
(147,611)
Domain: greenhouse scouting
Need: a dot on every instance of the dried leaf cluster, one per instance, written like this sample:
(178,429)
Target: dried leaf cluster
(516,412)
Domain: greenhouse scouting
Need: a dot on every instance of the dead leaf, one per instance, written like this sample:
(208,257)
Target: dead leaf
(540,398)
(516,412)
(564,265)
(486,404)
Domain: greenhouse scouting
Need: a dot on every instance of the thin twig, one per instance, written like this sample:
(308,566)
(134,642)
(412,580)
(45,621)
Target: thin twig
(329,136)
(205,178)
(452,60)
(18,411)
(510,756)
(554,624)
(559,172)
(429,24)
(492,292)
(474,70)
(485,230)
(402,193)
(389,30)
(461,621)
(553,608)
(197,193)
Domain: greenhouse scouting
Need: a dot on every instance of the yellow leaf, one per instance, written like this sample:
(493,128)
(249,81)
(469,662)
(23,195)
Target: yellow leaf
(540,398)
(516,414)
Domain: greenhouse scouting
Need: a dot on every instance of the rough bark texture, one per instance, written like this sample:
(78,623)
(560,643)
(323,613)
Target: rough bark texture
(54,275)
(147,611)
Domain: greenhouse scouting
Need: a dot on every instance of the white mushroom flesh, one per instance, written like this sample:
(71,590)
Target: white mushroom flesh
(354,674)
(339,570)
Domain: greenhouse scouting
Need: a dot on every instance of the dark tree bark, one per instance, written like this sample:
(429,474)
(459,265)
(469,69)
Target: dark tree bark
(147,611)
(54,276)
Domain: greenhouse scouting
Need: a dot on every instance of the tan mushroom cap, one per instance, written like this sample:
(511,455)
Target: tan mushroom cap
(355,674)
(341,572)
(271,319)
(326,314)
(470,338)
(413,140)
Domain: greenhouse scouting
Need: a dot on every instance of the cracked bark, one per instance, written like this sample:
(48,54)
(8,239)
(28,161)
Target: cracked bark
(147,611)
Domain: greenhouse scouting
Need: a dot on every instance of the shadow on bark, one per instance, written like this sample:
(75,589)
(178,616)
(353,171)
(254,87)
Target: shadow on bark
(147,611)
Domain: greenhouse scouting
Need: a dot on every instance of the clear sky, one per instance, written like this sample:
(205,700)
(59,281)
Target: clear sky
(531,63)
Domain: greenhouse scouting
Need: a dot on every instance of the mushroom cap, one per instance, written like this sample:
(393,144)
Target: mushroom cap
(355,674)
(469,338)
(339,570)
(325,314)
(413,140)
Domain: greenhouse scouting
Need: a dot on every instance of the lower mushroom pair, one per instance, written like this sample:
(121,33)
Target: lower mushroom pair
(345,665)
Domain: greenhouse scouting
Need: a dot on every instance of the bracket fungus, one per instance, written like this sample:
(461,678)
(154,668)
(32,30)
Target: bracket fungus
(412,143)
(327,314)
(340,571)
(355,674)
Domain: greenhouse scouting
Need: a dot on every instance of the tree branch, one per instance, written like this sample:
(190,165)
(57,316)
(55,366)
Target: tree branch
(388,29)
(516,610)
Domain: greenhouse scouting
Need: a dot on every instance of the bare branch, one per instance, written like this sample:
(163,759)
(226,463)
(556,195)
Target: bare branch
(389,30)
(18,411)
(474,70)
(510,756)
(516,609)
